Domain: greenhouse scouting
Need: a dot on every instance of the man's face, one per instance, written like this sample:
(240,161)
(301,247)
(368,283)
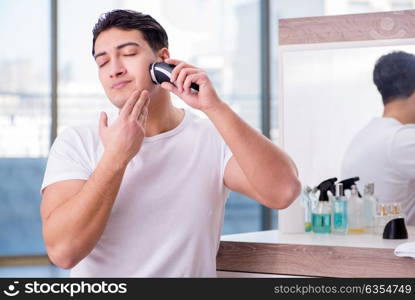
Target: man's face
(123,59)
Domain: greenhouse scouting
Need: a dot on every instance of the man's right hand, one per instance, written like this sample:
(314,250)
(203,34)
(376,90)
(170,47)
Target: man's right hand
(123,139)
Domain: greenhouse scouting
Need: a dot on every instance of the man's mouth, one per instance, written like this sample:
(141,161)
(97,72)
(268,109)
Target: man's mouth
(121,84)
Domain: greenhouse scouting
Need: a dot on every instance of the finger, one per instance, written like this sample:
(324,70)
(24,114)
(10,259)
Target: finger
(176,71)
(146,104)
(176,62)
(182,76)
(190,79)
(170,87)
(129,104)
(139,105)
(103,121)
(173,61)
(143,117)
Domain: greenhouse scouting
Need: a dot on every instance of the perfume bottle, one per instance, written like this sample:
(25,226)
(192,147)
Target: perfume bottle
(381,219)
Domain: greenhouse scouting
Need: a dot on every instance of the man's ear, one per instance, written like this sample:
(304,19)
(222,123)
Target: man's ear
(163,54)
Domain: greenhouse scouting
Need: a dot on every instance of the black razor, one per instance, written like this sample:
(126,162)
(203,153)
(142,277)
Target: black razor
(161,72)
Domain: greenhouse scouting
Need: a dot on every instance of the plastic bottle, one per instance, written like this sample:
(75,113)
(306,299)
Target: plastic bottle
(355,211)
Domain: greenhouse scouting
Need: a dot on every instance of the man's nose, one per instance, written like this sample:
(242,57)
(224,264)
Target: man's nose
(117,69)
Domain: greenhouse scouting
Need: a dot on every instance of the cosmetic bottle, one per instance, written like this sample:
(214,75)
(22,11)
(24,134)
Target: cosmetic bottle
(382,217)
(396,211)
(340,222)
(369,208)
(321,216)
(349,182)
(355,211)
(306,203)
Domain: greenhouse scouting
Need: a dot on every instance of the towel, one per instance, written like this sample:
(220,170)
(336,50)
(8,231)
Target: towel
(406,249)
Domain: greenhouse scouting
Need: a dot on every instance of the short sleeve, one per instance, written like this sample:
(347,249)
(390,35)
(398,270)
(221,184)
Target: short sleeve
(402,151)
(226,156)
(68,159)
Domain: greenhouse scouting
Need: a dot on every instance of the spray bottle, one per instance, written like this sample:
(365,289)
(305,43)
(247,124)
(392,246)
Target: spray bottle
(355,206)
(356,222)
(349,182)
(321,216)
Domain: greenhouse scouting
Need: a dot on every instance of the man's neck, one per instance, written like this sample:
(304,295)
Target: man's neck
(401,110)
(162,115)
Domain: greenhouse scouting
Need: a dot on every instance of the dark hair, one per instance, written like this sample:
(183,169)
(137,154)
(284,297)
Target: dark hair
(152,31)
(394,75)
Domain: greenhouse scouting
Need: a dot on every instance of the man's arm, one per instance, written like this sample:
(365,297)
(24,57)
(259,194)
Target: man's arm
(75,212)
(258,169)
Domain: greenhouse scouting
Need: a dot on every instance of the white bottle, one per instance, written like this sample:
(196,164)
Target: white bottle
(369,208)
(355,209)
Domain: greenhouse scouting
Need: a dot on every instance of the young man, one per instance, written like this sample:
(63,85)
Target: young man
(384,151)
(144,194)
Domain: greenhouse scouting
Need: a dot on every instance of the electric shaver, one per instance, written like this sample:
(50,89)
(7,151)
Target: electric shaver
(161,72)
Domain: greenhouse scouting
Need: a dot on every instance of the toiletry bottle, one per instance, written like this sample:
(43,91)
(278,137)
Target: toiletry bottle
(321,216)
(348,183)
(306,202)
(313,195)
(381,219)
(340,222)
(369,208)
(396,211)
(355,212)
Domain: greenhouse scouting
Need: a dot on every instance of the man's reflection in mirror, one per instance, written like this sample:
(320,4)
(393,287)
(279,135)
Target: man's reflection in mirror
(383,152)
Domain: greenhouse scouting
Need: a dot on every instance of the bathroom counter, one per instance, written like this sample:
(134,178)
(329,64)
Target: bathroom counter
(309,254)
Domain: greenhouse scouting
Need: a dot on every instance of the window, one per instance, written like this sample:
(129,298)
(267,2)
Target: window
(24,123)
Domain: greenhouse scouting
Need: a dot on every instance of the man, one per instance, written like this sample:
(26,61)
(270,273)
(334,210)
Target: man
(144,195)
(384,151)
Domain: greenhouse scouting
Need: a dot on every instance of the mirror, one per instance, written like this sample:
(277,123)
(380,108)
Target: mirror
(325,89)
(326,97)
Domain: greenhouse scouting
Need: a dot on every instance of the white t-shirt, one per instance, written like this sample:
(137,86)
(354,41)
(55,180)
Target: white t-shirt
(167,218)
(384,153)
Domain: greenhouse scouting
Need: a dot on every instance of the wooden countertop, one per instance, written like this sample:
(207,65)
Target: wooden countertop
(309,254)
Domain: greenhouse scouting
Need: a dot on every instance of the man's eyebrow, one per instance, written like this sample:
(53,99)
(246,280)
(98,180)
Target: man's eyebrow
(118,47)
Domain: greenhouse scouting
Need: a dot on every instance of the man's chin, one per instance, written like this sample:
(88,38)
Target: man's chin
(120,99)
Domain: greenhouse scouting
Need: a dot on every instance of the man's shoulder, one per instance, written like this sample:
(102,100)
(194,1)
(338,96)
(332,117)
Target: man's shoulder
(82,131)
(378,129)
(200,125)
(404,135)
(86,134)
(199,121)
